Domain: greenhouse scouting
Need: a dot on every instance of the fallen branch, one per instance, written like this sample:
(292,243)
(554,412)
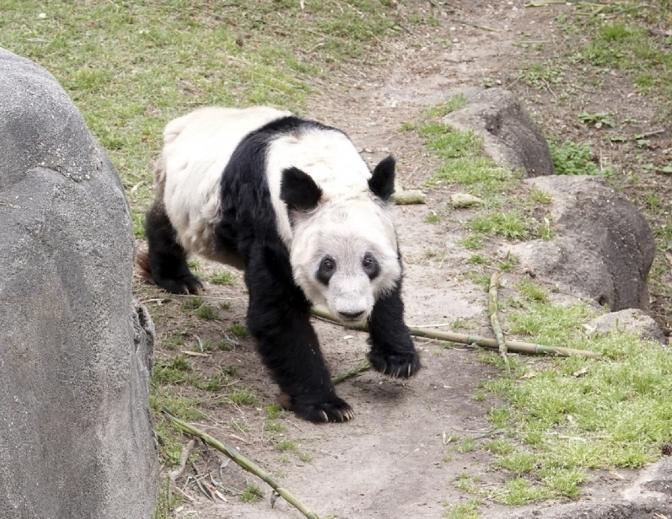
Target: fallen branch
(494,320)
(485,342)
(409,197)
(352,373)
(242,461)
(184,457)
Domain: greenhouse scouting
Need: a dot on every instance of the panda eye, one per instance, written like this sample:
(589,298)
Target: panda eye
(326,269)
(370,265)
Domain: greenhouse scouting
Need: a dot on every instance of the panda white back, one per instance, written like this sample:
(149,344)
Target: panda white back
(197,148)
(199,145)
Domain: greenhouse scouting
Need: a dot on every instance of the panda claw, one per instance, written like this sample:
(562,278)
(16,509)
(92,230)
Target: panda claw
(331,409)
(396,365)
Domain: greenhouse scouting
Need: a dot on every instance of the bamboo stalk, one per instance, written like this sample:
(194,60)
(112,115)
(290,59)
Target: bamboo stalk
(485,342)
(494,319)
(244,462)
(352,373)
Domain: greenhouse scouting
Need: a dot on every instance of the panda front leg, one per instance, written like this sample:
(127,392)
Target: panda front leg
(392,350)
(279,319)
(166,262)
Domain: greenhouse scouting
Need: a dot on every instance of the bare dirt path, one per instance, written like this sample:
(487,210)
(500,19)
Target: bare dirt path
(397,459)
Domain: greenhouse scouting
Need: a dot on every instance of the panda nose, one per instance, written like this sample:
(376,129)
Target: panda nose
(351,316)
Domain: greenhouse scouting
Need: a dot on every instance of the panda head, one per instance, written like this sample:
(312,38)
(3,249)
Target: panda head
(344,251)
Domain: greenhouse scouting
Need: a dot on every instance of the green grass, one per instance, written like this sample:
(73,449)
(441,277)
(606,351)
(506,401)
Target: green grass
(239,330)
(542,75)
(570,158)
(206,312)
(243,397)
(509,225)
(463,161)
(173,371)
(443,109)
(130,68)
(466,510)
(222,278)
(566,416)
(251,494)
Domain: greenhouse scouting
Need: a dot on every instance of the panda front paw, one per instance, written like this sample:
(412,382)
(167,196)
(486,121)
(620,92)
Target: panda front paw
(397,365)
(185,284)
(322,410)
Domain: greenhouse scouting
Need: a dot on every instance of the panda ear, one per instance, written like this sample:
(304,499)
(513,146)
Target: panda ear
(381,182)
(298,190)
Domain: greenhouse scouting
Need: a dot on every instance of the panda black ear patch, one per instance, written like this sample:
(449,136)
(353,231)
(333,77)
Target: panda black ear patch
(298,190)
(381,182)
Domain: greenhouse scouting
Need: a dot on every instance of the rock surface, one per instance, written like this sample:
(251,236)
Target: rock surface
(603,247)
(630,320)
(510,137)
(648,497)
(75,432)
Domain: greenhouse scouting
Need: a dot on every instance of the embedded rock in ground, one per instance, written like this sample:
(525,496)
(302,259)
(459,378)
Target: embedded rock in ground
(75,432)
(603,247)
(631,320)
(648,497)
(510,137)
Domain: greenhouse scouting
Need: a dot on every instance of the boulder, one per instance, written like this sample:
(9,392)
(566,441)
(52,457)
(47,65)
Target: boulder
(603,247)
(649,496)
(509,136)
(631,320)
(75,432)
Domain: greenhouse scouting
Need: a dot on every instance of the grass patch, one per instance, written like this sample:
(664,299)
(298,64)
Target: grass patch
(239,330)
(243,397)
(222,278)
(251,494)
(463,161)
(532,291)
(466,510)
(570,158)
(443,109)
(206,312)
(575,414)
(509,225)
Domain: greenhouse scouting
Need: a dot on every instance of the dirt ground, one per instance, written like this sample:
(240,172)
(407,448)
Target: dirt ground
(397,458)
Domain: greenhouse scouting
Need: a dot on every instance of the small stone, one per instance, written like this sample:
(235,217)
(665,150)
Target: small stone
(464,200)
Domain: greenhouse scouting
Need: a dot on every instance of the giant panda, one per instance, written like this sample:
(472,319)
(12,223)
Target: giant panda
(292,203)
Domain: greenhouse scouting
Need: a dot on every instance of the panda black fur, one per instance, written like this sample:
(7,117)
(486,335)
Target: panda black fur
(292,203)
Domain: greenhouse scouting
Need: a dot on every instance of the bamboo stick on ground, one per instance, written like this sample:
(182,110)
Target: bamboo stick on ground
(244,462)
(485,342)
(494,320)
(354,372)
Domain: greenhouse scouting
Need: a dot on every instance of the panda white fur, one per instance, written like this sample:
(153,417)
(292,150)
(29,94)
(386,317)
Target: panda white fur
(292,203)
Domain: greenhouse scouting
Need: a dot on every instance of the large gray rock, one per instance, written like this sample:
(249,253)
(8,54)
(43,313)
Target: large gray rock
(603,247)
(631,320)
(510,137)
(75,433)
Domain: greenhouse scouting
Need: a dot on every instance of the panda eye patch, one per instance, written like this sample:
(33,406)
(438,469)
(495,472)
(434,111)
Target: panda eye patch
(326,269)
(370,265)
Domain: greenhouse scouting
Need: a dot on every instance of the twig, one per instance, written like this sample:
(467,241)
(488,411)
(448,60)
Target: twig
(544,3)
(494,320)
(644,135)
(485,342)
(408,197)
(354,372)
(243,462)
(475,25)
(184,457)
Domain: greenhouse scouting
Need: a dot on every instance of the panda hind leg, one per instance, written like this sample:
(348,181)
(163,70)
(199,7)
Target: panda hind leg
(392,351)
(166,261)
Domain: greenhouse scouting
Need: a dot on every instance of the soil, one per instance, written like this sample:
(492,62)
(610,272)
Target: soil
(399,457)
